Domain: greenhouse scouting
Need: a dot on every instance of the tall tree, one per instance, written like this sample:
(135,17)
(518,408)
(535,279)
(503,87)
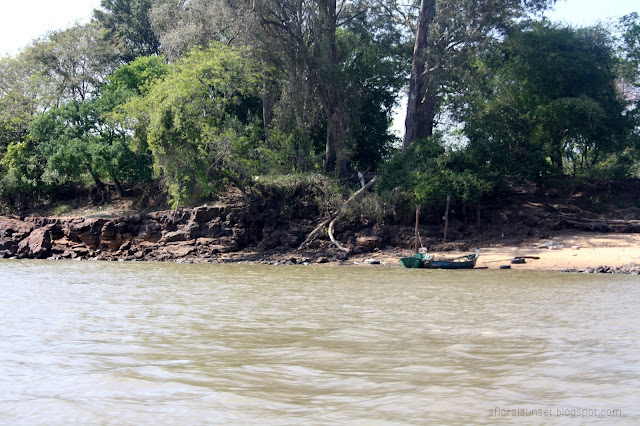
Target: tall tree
(449,34)
(128,27)
(306,32)
(629,51)
(551,104)
(183,24)
(204,128)
(75,61)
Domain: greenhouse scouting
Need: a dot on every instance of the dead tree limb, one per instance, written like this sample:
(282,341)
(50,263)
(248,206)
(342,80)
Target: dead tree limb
(315,232)
(331,220)
(333,240)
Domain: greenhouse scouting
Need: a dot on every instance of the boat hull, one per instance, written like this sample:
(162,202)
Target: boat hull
(415,261)
(466,262)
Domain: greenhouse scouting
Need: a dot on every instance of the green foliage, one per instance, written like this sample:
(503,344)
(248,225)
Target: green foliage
(20,173)
(374,71)
(204,123)
(137,76)
(429,174)
(73,62)
(551,106)
(128,27)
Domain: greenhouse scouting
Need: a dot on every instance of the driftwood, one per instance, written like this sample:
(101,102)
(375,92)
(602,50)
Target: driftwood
(333,240)
(331,220)
(599,225)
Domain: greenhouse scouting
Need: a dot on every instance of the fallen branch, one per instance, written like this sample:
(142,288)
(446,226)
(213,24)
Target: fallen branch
(334,217)
(333,240)
(317,229)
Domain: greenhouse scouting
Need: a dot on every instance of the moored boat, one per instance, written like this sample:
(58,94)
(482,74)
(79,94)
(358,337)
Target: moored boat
(468,261)
(424,260)
(418,260)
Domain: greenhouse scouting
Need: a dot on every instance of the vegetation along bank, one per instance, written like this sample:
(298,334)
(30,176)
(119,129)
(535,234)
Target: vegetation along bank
(171,106)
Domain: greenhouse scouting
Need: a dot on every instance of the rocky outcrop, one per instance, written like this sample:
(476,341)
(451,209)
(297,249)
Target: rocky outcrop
(629,268)
(161,235)
(206,233)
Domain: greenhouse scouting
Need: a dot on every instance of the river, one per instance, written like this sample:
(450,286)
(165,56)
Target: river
(141,343)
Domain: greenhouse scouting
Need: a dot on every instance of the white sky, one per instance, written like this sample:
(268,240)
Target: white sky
(21,21)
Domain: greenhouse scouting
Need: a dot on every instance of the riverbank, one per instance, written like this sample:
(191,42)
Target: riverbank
(226,234)
(564,251)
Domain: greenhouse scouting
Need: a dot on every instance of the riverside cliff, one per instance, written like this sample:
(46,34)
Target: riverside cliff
(205,233)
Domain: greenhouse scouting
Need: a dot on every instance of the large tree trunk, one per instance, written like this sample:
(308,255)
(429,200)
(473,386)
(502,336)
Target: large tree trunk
(421,105)
(119,188)
(99,184)
(328,72)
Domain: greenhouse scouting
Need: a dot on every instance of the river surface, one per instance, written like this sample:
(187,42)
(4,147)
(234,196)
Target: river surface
(142,343)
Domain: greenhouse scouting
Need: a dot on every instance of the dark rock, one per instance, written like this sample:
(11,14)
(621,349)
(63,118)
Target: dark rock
(206,214)
(368,244)
(125,246)
(108,231)
(13,229)
(37,245)
(174,236)
(150,231)
(181,249)
(212,230)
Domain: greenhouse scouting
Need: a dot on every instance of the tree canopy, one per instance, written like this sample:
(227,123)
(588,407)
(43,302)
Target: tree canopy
(201,94)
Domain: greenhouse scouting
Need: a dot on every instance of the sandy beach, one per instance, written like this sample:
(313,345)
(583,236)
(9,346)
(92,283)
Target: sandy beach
(571,250)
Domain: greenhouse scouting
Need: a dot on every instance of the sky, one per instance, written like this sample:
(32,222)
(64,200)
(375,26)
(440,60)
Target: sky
(21,21)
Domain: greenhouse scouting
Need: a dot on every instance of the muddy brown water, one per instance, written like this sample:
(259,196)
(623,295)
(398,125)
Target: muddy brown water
(140,343)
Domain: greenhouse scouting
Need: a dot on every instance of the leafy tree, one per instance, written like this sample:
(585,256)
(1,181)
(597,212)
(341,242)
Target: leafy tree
(429,174)
(448,37)
(374,71)
(20,174)
(182,25)
(305,35)
(204,123)
(629,67)
(128,27)
(552,102)
(23,92)
(73,62)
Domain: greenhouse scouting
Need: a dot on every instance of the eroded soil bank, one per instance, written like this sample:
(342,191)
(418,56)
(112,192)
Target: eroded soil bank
(271,229)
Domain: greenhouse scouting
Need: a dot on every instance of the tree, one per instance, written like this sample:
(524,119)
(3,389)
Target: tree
(373,67)
(182,25)
(204,123)
(552,103)
(21,95)
(128,27)
(93,136)
(629,52)
(73,62)
(428,174)
(449,35)
(305,33)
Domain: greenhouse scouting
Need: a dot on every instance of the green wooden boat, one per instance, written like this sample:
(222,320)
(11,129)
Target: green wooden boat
(418,260)
(468,261)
